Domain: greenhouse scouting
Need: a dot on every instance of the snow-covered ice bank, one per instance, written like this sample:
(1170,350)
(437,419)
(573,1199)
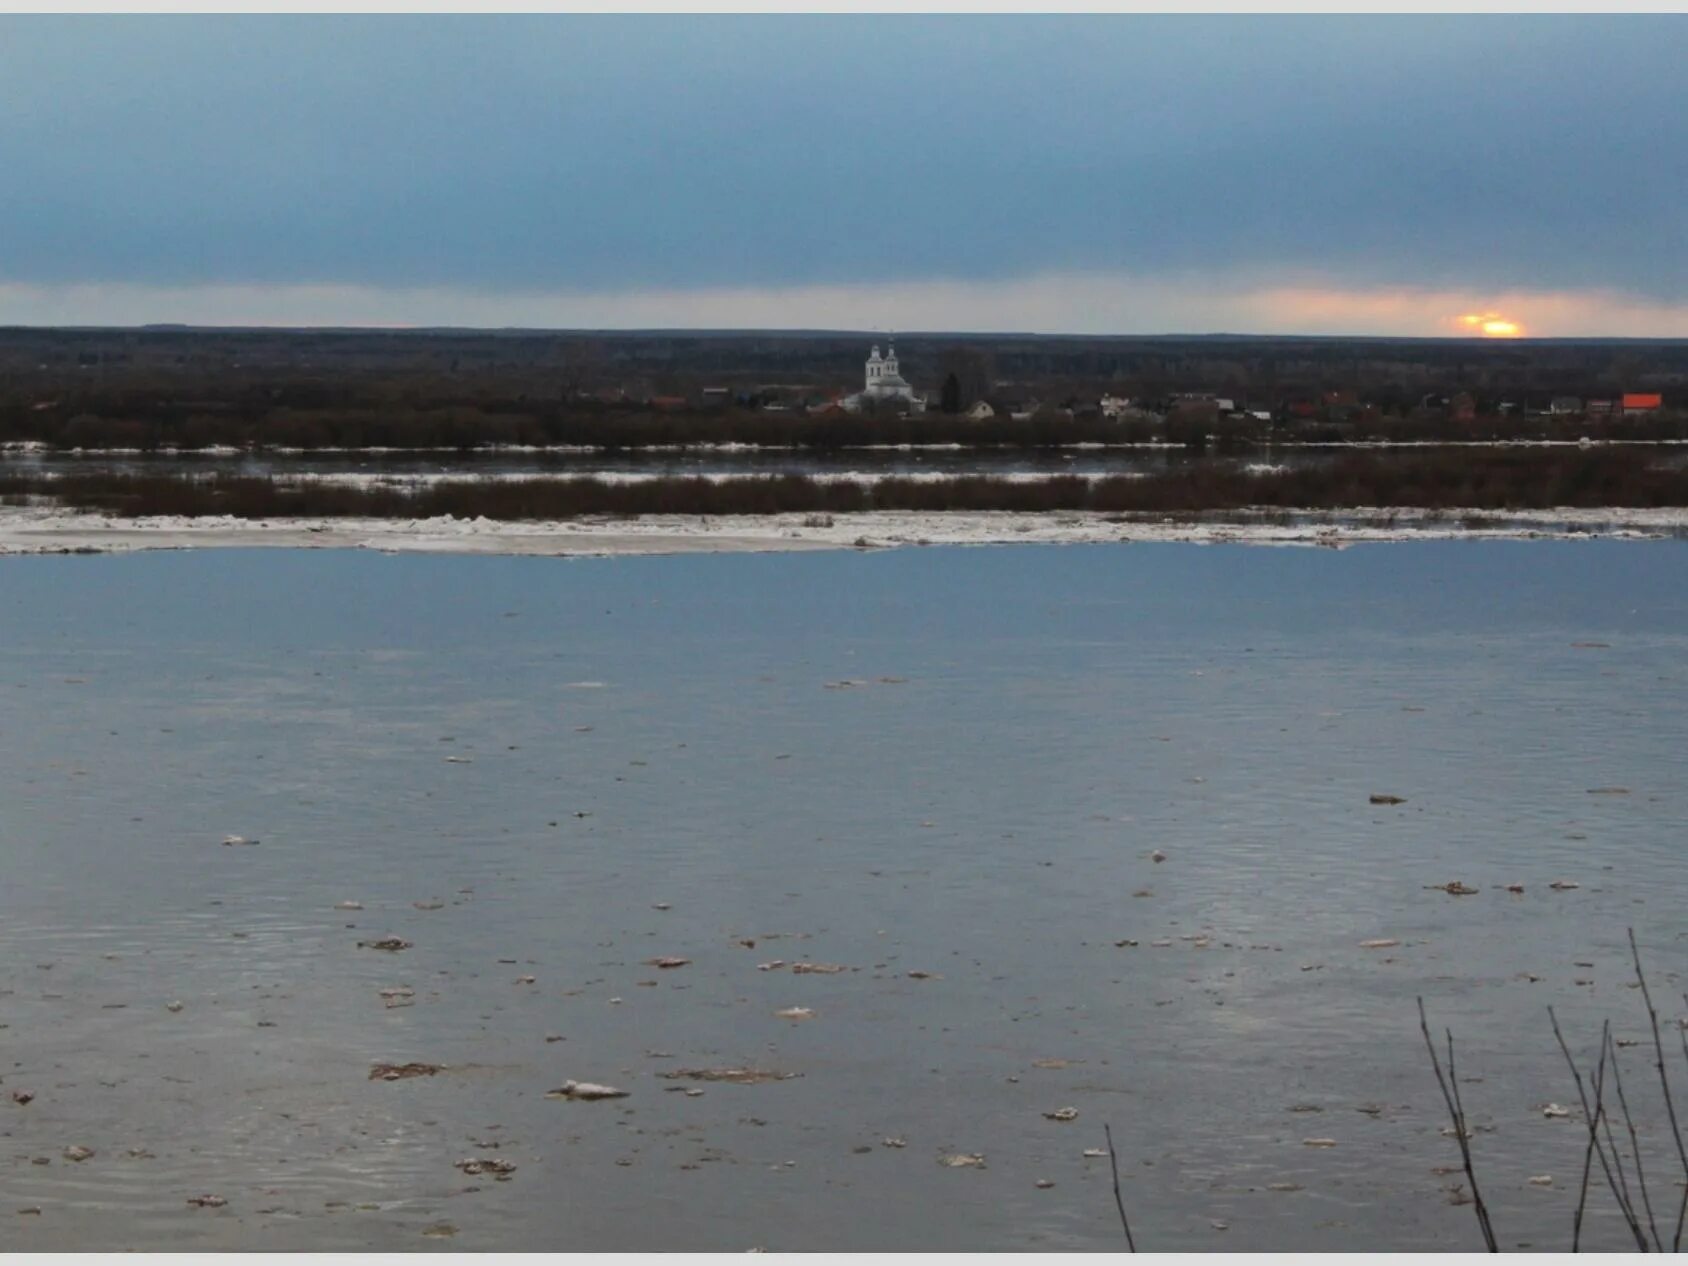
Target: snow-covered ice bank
(40,530)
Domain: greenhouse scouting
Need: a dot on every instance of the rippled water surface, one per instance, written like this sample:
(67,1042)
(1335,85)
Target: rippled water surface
(559,769)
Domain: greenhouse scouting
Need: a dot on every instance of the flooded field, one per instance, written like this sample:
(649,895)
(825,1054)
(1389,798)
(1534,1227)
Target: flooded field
(1086,827)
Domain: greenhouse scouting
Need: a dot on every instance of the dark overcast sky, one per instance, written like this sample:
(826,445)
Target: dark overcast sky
(525,154)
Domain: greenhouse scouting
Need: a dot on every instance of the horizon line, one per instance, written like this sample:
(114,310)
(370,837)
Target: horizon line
(176,327)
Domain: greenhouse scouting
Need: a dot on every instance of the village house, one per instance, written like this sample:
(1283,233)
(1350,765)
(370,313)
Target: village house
(1010,400)
(779,397)
(1640,403)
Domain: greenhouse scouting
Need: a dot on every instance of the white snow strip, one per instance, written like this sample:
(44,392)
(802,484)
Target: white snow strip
(41,530)
(12,447)
(422,479)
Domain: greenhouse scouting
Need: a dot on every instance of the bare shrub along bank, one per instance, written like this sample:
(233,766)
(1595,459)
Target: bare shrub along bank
(1516,480)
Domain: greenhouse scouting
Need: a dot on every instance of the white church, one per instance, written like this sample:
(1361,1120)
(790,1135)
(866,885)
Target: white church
(884,382)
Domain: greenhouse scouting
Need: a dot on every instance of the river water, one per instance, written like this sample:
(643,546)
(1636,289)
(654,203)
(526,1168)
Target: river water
(947,771)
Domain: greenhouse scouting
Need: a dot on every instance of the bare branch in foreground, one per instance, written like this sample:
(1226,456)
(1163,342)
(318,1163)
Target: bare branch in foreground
(1634,1143)
(1588,1152)
(1592,1116)
(1119,1201)
(1456,1110)
(1664,1085)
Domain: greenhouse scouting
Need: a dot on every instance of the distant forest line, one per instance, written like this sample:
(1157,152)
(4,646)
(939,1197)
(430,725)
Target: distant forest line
(166,389)
(1438,480)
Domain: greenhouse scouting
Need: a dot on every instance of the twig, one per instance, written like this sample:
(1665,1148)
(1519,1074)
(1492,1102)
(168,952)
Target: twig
(1592,1116)
(1634,1142)
(1582,1194)
(1465,1135)
(1456,1110)
(1119,1201)
(1593,1139)
(1612,1143)
(1594,1136)
(1664,1084)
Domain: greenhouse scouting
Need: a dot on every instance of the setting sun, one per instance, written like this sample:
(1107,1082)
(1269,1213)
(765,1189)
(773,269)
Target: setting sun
(1492,325)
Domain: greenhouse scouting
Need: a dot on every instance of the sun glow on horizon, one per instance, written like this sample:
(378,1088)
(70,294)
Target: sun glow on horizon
(1070,303)
(1491,325)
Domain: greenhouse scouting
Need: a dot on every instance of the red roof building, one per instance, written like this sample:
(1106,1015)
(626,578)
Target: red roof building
(1642,402)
